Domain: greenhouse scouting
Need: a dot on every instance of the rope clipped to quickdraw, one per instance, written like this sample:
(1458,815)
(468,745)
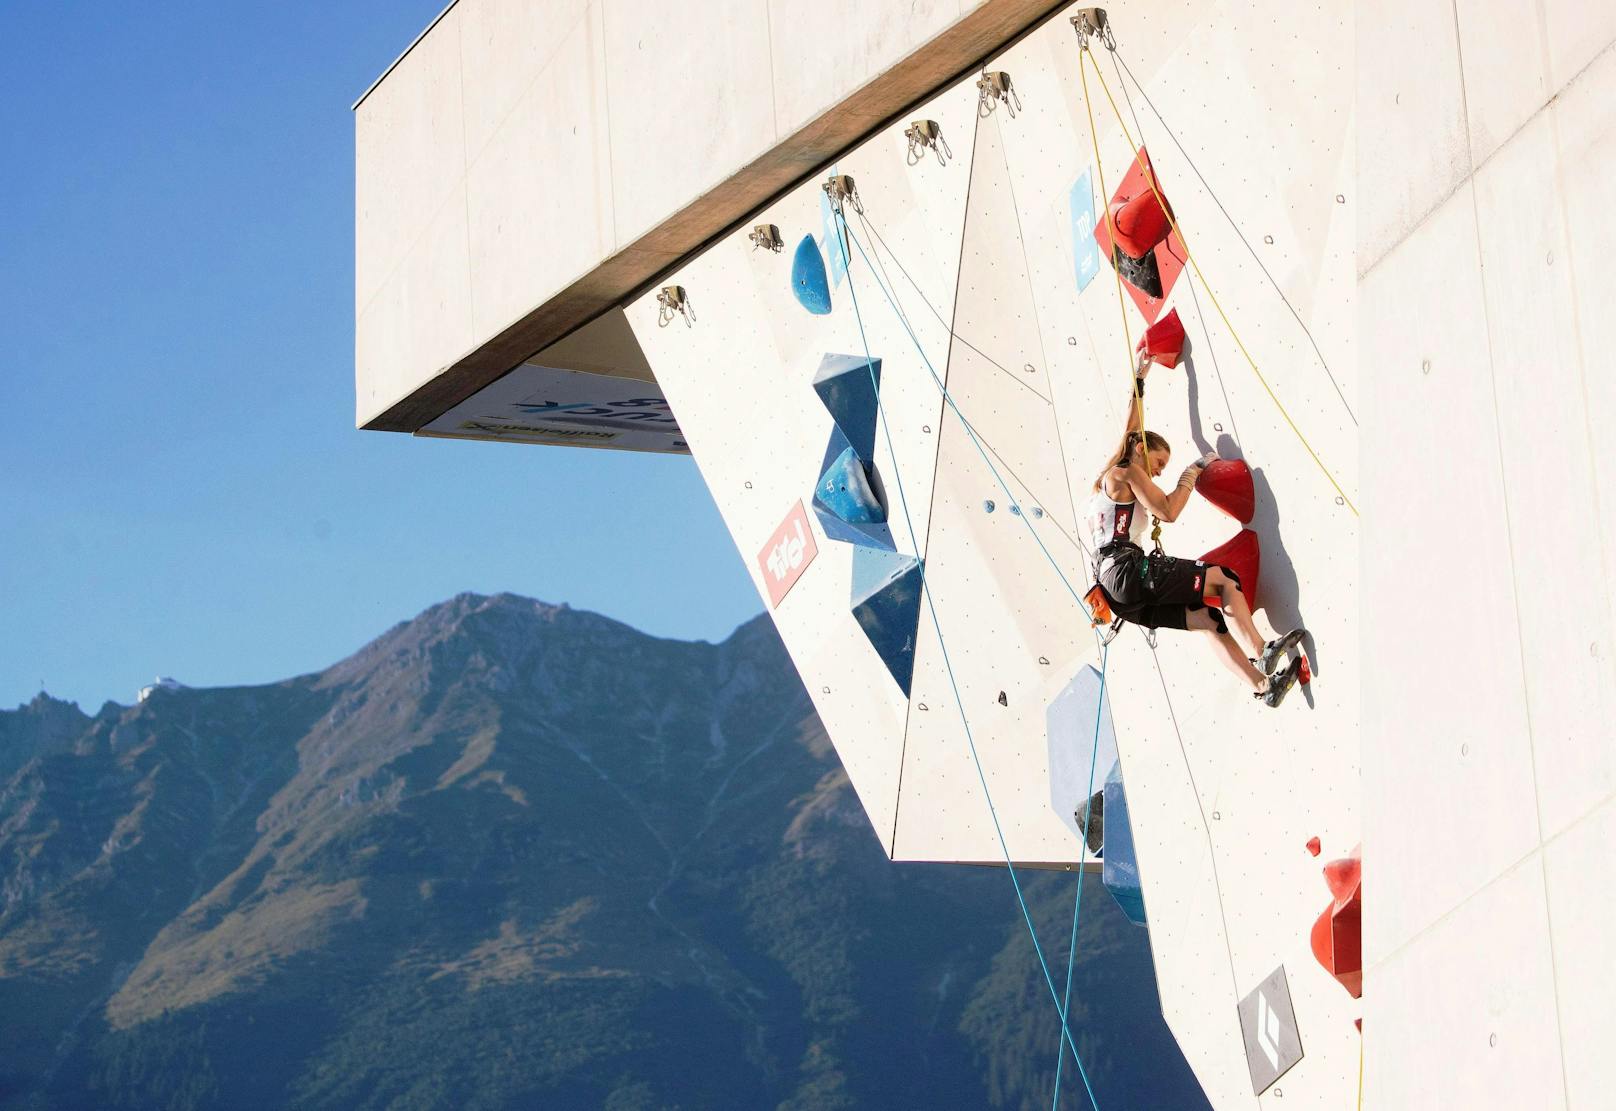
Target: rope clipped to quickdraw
(1085,56)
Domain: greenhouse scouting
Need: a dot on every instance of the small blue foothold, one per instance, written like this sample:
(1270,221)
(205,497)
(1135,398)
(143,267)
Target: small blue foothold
(809,283)
(988,505)
(1015,509)
(1036,512)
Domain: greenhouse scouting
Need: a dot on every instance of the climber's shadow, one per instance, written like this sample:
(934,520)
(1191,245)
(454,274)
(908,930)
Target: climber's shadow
(1279,588)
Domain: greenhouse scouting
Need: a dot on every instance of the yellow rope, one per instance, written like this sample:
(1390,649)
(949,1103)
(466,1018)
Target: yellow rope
(1189,257)
(1122,301)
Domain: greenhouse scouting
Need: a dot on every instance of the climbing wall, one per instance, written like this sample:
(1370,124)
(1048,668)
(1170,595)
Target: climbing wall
(741,380)
(981,275)
(1223,796)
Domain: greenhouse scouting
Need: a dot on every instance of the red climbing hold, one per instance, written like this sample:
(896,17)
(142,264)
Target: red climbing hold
(1313,846)
(1140,221)
(1226,483)
(1163,341)
(1337,935)
(1243,556)
(1138,216)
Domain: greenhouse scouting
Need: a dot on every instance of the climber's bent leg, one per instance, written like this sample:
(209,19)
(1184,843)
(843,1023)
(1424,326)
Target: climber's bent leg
(1220,583)
(1226,648)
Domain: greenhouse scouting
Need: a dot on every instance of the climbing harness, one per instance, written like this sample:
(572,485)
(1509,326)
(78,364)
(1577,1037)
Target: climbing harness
(924,135)
(993,89)
(672,301)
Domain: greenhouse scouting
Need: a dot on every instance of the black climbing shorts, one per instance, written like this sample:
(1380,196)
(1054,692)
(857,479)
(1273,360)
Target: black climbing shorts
(1156,591)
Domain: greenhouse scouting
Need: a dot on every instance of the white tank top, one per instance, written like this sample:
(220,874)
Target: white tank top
(1112,521)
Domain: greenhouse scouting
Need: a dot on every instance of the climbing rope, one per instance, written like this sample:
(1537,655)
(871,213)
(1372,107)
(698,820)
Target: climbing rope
(1122,303)
(1149,174)
(1111,230)
(1189,257)
(1063,1005)
(1082,858)
(845,234)
(1118,60)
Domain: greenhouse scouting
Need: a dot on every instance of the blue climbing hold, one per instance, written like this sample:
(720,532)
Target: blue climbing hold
(809,282)
(845,490)
(886,604)
(873,533)
(1121,871)
(849,386)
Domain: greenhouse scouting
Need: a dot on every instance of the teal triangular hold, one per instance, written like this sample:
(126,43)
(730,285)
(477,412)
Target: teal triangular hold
(886,604)
(862,536)
(845,490)
(874,568)
(809,283)
(848,386)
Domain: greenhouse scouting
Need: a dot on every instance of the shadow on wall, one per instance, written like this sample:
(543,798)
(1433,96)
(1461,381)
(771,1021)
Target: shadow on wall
(1279,587)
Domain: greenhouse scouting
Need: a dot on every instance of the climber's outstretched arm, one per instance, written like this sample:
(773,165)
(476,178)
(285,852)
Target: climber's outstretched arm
(1136,396)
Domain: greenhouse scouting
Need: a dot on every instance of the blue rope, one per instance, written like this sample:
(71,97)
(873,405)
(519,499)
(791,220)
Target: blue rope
(970,430)
(1082,856)
(948,665)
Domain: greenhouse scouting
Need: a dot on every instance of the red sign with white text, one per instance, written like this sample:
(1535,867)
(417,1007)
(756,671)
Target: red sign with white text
(787,554)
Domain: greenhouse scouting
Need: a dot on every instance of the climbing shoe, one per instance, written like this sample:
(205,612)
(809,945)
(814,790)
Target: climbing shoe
(1280,683)
(1275,650)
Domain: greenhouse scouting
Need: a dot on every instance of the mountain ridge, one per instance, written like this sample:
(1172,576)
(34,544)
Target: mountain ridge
(509,852)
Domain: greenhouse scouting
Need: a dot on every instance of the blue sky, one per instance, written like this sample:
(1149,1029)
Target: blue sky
(182,490)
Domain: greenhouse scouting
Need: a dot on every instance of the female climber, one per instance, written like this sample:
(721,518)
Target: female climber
(1159,591)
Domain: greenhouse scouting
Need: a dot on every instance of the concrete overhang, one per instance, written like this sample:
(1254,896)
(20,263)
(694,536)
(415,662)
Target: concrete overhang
(524,169)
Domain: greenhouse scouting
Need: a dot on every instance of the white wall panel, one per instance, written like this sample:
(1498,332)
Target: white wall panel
(536,182)
(1417,149)
(1578,868)
(1451,758)
(1466,1016)
(1505,70)
(1500,757)
(1561,594)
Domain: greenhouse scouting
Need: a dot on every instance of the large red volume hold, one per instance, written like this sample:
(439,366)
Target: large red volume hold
(1226,483)
(1168,254)
(1141,223)
(1243,556)
(1337,934)
(1163,341)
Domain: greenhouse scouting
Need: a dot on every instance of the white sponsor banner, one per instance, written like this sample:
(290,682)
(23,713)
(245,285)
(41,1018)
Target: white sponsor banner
(544,405)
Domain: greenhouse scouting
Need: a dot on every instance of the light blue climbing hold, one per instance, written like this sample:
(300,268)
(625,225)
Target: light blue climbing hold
(1082,752)
(1121,869)
(849,386)
(809,282)
(988,506)
(835,246)
(845,490)
(886,604)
